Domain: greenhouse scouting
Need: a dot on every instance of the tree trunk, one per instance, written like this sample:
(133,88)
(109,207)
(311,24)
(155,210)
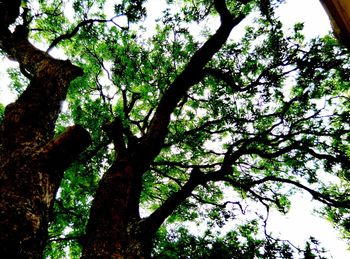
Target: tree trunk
(31,161)
(339,14)
(29,179)
(32,165)
(113,229)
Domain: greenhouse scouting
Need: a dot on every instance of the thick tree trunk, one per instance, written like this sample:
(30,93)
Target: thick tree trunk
(29,179)
(31,162)
(32,166)
(339,14)
(113,229)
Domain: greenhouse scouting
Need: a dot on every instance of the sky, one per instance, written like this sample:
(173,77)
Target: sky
(299,223)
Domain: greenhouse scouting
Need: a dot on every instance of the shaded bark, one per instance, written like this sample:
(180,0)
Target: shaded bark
(113,231)
(32,163)
(29,179)
(9,11)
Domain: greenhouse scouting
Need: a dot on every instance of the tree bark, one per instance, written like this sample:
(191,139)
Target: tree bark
(32,163)
(113,229)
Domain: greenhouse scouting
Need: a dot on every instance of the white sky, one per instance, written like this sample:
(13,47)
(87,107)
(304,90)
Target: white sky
(299,224)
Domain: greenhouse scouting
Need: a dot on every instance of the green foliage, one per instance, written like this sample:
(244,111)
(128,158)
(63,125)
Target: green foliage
(18,80)
(2,112)
(270,104)
(134,10)
(338,216)
(241,243)
(312,250)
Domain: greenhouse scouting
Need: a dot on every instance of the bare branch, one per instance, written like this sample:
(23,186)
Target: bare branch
(220,205)
(183,165)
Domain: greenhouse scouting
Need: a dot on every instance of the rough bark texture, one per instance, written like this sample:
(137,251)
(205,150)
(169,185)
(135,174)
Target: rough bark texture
(113,230)
(31,161)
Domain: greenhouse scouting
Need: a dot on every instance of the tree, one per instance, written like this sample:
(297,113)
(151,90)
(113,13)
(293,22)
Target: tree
(162,123)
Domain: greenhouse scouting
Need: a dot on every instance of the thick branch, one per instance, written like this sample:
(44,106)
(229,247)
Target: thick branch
(153,222)
(221,8)
(18,48)
(270,155)
(329,158)
(9,11)
(190,76)
(225,77)
(33,115)
(114,131)
(89,154)
(59,153)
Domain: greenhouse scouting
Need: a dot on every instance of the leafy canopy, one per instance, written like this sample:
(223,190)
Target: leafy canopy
(269,116)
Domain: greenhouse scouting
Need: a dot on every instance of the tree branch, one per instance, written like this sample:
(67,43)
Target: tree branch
(71,34)
(315,194)
(89,154)
(220,205)
(191,75)
(221,8)
(225,77)
(183,165)
(59,153)
(152,223)
(114,131)
(9,11)
(66,238)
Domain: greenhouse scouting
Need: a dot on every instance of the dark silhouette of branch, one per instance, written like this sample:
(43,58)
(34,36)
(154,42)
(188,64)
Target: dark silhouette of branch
(9,11)
(152,223)
(183,165)
(315,194)
(72,33)
(114,131)
(90,153)
(221,8)
(67,238)
(220,205)
(68,211)
(59,153)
